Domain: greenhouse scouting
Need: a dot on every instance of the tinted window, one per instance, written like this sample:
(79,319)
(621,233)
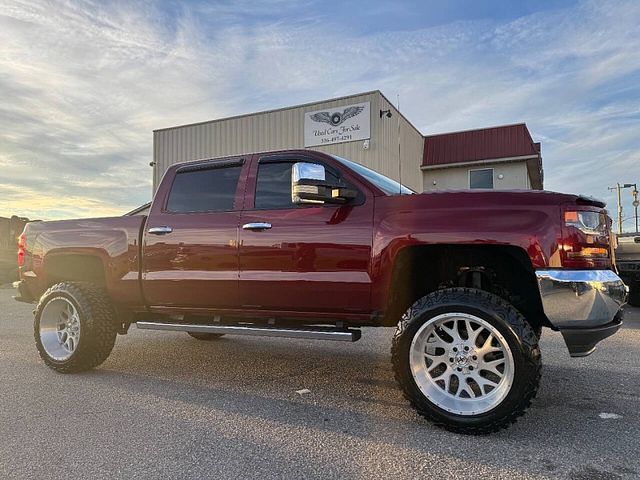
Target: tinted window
(481,178)
(210,190)
(273,187)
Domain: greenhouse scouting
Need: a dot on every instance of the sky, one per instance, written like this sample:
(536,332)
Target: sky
(83,84)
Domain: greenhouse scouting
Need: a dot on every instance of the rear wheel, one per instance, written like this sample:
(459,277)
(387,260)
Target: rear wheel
(207,337)
(74,327)
(466,360)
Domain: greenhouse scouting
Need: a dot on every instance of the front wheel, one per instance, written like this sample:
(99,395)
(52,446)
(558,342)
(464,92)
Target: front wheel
(466,360)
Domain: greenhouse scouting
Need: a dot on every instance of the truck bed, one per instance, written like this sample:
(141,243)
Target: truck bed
(115,241)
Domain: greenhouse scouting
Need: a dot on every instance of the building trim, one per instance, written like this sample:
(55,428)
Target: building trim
(479,162)
(517,124)
(398,112)
(302,105)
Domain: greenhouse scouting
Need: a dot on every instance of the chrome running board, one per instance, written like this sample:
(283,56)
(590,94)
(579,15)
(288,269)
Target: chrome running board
(317,333)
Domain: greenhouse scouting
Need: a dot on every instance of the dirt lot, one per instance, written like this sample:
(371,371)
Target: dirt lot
(167,406)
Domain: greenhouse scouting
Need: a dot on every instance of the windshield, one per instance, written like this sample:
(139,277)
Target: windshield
(387,185)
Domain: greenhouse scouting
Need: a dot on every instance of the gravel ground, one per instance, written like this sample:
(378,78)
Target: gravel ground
(165,405)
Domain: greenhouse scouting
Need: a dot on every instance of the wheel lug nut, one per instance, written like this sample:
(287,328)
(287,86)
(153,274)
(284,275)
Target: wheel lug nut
(474,357)
(470,367)
(451,360)
(459,369)
(466,349)
(455,349)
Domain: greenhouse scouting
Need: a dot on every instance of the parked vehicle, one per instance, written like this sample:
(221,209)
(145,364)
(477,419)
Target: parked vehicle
(628,262)
(309,245)
(10,230)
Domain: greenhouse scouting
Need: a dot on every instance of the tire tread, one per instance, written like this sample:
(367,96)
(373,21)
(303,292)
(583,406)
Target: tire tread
(100,321)
(506,311)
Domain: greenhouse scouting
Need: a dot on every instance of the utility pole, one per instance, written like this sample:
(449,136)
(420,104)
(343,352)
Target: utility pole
(635,204)
(617,187)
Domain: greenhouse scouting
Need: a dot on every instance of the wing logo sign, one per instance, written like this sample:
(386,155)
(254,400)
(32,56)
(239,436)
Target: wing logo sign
(344,124)
(336,118)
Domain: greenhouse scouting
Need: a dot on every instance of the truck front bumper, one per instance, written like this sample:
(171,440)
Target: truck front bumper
(585,305)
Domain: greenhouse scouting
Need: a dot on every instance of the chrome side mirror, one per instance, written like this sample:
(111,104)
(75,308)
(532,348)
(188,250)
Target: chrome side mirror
(309,185)
(305,173)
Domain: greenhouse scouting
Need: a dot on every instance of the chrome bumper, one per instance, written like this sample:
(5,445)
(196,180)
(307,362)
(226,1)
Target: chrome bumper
(585,305)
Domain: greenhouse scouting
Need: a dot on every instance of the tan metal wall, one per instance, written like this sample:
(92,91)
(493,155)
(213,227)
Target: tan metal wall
(283,129)
(514,176)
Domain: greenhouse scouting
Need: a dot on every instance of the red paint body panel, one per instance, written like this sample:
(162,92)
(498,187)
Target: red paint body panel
(115,241)
(530,221)
(197,264)
(316,262)
(313,259)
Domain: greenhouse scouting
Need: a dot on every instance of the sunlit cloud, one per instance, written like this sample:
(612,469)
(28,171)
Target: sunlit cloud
(84,84)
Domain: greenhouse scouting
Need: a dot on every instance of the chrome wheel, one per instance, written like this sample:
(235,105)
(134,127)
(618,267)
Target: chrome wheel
(461,363)
(59,328)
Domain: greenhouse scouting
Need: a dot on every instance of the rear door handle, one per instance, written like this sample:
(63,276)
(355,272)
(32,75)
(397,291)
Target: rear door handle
(160,230)
(256,226)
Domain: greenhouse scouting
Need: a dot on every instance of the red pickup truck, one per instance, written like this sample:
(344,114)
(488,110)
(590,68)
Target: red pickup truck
(309,245)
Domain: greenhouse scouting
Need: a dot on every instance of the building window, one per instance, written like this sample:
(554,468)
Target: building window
(482,178)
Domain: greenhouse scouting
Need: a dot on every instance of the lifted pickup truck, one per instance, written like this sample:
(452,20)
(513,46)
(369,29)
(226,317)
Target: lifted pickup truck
(309,245)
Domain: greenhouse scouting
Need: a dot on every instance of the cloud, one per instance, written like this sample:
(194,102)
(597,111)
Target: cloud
(84,84)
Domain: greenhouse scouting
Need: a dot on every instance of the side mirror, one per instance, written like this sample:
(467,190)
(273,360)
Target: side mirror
(308,185)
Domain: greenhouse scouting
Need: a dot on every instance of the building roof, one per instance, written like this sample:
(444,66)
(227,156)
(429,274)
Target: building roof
(493,143)
(293,107)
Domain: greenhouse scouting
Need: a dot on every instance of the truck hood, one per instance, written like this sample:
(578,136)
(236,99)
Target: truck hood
(501,198)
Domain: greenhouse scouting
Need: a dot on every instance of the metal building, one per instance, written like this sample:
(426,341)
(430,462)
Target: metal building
(368,129)
(369,137)
(504,157)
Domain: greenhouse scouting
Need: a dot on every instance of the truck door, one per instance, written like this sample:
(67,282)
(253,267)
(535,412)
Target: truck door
(190,248)
(302,258)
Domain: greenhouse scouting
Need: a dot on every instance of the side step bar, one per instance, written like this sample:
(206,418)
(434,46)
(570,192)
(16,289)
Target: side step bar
(318,333)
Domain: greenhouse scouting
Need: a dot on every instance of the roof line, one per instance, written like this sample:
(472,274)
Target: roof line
(275,110)
(480,161)
(400,113)
(477,130)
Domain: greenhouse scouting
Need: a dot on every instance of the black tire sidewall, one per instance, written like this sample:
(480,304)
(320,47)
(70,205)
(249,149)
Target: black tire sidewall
(522,355)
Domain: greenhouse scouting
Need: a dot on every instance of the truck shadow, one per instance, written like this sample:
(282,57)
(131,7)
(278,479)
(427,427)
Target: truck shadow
(353,392)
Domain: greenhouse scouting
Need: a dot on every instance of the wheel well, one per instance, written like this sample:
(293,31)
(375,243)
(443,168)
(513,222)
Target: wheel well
(503,270)
(85,268)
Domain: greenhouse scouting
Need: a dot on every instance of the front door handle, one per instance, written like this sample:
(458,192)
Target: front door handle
(160,230)
(256,226)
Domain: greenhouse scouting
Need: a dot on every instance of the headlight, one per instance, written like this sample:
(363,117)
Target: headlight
(585,239)
(590,223)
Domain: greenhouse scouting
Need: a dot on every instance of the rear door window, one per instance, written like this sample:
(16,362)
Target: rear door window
(210,190)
